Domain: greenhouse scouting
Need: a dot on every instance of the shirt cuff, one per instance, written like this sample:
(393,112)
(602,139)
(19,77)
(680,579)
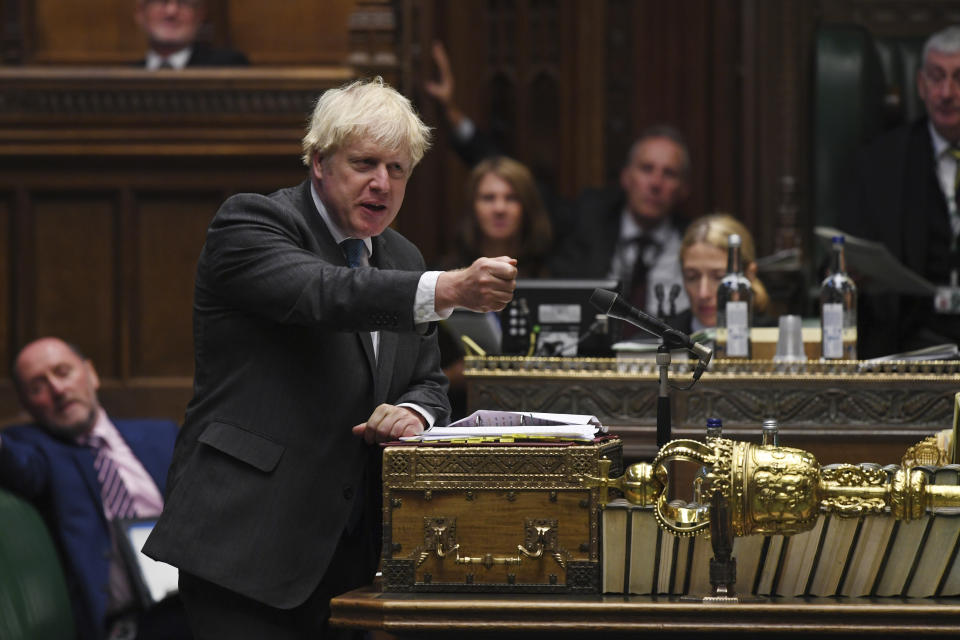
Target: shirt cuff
(426,414)
(424,305)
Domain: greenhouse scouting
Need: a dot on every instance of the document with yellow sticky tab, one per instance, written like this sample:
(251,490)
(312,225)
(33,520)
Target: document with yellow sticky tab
(508,426)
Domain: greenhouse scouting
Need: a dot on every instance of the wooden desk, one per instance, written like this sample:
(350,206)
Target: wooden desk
(437,615)
(839,412)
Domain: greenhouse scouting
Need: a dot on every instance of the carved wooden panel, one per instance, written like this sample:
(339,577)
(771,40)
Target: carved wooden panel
(291,31)
(168,235)
(105,32)
(74,262)
(840,415)
(91,32)
(108,181)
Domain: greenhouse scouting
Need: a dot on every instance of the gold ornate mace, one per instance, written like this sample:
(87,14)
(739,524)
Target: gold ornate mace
(767,490)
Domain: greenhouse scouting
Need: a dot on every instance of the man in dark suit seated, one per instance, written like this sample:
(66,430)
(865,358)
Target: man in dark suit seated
(83,470)
(171,27)
(315,340)
(633,233)
(905,196)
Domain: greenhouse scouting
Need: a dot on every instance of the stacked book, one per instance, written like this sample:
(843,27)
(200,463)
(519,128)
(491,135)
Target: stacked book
(872,555)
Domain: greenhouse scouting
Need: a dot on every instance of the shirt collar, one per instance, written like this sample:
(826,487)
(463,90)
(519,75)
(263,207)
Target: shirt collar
(103,428)
(630,230)
(940,144)
(176,60)
(338,235)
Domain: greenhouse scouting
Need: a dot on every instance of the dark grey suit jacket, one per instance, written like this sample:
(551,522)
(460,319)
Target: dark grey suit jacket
(266,472)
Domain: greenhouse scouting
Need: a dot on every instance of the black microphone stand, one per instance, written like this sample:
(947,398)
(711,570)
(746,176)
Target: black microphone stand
(664,420)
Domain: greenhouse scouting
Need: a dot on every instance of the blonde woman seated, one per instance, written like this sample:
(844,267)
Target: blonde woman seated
(703,260)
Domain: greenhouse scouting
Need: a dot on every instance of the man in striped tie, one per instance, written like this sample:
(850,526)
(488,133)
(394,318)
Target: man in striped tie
(83,471)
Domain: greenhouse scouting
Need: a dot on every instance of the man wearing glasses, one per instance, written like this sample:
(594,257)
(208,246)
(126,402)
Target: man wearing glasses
(171,27)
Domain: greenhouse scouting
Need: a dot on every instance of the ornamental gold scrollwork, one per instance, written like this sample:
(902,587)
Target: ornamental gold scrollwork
(540,540)
(772,490)
(849,475)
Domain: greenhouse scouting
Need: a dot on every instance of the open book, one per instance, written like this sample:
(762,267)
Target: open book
(508,426)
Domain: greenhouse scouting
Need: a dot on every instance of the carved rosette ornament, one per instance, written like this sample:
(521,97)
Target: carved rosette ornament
(775,490)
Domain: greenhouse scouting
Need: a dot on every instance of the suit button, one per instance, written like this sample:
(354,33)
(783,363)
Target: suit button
(348,493)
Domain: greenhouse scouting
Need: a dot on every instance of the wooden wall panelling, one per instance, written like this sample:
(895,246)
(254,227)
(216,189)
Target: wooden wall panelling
(678,63)
(76,266)
(108,181)
(297,32)
(89,32)
(291,31)
(586,98)
(12,36)
(775,120)
(433,204)
(170,231)
(722,153)
(527,72)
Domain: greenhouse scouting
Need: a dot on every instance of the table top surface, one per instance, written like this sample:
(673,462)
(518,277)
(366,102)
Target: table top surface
(370,608)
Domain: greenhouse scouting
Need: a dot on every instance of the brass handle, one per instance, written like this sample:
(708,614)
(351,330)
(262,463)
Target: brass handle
(541,543)
(442,530)
(441,552)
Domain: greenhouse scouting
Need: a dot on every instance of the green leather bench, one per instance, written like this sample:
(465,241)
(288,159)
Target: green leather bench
(34,603)
(863,85)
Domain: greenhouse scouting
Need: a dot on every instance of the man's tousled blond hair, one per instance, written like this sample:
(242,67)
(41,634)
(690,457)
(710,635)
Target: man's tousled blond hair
(369,109)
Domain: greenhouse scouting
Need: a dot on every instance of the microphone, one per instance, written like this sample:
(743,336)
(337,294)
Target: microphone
(658,292)
(674,294)
(614,306)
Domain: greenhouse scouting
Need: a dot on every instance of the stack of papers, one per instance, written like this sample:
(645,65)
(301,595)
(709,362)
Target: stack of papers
(510,426)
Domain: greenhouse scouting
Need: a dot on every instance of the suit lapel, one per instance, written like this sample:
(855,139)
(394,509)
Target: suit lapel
(388,339)
(82,458)
(924,200)
(329,251)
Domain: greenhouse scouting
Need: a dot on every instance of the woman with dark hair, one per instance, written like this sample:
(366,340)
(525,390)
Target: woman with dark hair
(506,217)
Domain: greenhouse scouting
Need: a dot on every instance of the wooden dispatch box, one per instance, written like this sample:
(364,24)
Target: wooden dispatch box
(494,517)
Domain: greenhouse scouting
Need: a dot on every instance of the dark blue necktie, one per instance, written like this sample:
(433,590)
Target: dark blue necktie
(354,251)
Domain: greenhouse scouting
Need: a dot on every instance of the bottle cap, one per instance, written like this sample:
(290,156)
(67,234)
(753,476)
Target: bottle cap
(837,239)
(770,423)
(733,240)
(714,422)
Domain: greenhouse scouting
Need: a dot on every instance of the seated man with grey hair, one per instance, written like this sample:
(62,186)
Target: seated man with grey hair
(315,340)
(172,28)
(904,195)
